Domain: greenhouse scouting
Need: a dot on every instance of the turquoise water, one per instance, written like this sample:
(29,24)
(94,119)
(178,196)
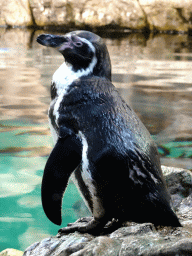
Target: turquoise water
(152,74)
(24,150)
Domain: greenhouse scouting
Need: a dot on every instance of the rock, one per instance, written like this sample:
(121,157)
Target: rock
(11,252)
(15,13)
(133,238)
(95,14)
(179,182)
(162,15)
(88,13)
(167,15)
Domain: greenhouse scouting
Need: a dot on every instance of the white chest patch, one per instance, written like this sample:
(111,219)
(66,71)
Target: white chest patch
(63,77)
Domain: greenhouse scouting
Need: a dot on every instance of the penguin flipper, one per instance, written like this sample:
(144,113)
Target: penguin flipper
(63,160)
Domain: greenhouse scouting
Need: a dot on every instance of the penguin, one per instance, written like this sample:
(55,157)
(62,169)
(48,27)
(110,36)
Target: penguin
(100,142)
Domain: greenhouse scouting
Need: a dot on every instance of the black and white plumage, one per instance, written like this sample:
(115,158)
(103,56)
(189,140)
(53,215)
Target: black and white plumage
(100,142)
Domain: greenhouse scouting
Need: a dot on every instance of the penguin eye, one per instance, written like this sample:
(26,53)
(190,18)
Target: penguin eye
(76,41)
(78,44)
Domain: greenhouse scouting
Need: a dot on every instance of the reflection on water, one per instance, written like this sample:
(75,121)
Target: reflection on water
(154,77)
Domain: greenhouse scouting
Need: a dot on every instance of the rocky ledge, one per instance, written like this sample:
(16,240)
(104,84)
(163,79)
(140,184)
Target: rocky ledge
(161,15)
(133,238)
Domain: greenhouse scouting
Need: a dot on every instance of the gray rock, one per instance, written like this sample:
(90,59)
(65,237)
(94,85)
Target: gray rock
(133,238)
(179,182)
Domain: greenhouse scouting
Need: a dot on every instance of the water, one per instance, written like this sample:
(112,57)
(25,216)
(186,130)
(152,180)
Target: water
(153,75)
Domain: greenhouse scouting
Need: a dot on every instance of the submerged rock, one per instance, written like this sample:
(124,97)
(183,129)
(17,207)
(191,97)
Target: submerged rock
(133,238)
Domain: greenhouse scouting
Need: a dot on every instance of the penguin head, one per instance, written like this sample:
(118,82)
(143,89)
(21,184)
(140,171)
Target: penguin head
(82,50)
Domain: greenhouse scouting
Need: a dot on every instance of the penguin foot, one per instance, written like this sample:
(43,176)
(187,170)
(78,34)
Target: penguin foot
(92,226)
(84,225)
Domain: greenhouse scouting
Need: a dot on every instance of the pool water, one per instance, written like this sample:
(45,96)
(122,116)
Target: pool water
(24,149)
(152,74)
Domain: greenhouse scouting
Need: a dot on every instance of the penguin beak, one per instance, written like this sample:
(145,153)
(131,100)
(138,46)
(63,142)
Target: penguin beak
(60,42)
(51,40)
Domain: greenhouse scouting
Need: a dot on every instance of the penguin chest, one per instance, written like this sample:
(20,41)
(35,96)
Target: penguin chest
(61,81)
(85,183)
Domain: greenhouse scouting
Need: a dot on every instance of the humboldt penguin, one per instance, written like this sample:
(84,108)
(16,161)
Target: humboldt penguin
(100,142)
